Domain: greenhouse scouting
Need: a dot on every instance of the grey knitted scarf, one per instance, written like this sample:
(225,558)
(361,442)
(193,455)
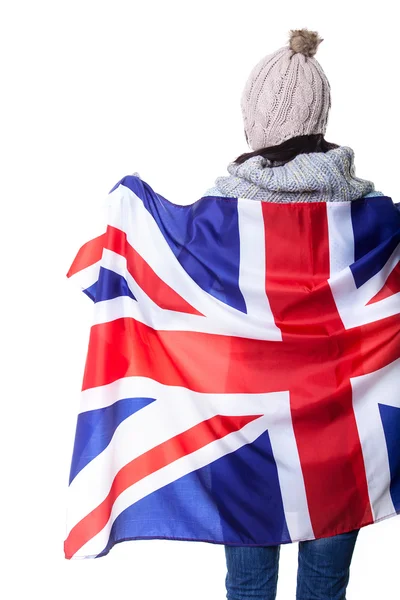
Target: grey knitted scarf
(314,177)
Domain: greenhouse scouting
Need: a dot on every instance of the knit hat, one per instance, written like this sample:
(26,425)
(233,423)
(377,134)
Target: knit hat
(287,93)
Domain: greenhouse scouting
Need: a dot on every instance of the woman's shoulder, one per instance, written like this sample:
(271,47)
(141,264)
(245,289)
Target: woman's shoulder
(372,194)
(213,191)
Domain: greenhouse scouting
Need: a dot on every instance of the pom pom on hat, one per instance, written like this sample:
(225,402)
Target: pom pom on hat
(304,41)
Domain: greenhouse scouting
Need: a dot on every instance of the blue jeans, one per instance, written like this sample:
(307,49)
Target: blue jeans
(323,569)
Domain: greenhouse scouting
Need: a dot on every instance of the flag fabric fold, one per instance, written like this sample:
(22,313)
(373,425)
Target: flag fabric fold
(242,372)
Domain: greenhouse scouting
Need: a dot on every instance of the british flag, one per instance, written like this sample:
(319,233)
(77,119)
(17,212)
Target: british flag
(241,384)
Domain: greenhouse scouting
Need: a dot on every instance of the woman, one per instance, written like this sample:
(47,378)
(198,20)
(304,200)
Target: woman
(239,346)
(285,106)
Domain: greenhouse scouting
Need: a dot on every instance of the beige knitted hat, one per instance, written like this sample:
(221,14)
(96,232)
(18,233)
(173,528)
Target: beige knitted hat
(287,93)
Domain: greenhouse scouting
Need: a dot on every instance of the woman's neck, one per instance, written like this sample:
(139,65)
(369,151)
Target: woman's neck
(314,177)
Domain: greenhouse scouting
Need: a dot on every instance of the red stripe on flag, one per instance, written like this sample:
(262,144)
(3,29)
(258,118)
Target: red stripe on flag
(219,364)
(160,292)
(202,362)
(392,286)
(87,255)
(158,457)
(297,270)
(378,345)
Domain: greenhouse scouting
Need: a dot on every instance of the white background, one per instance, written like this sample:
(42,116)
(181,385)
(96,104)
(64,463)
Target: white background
(92,91)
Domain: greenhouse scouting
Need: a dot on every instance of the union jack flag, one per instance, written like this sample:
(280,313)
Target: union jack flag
(241,384)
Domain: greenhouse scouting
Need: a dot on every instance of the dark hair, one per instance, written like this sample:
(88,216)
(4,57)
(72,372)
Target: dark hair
(291,148)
